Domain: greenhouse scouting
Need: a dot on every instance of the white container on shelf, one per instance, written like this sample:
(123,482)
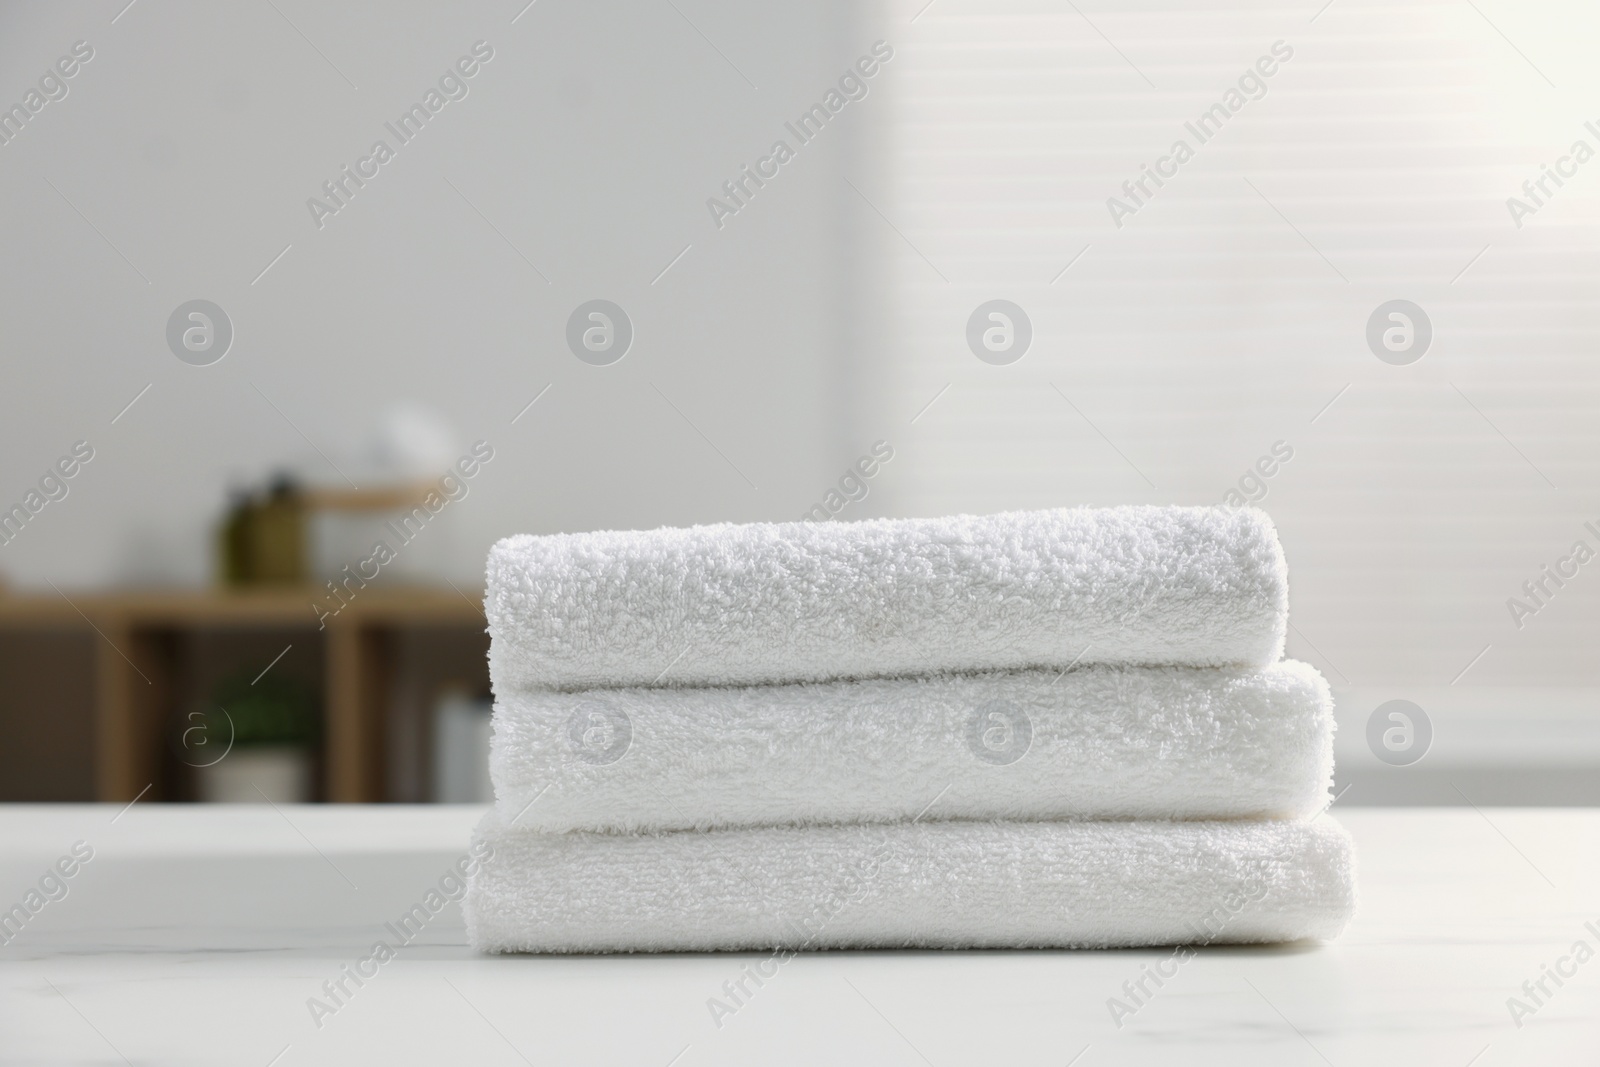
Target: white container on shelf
(461,732)
(257,774)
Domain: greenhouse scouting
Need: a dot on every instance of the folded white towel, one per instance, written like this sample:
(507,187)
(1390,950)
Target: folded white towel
(924,885)
(812,601)
(1092,742)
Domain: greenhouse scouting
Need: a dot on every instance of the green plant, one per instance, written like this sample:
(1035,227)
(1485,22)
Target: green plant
(267,711)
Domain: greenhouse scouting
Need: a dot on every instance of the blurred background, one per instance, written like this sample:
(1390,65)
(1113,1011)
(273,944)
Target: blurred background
(245,347)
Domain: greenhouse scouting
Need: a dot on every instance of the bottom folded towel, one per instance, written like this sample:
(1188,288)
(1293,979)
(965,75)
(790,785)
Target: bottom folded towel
(911,885)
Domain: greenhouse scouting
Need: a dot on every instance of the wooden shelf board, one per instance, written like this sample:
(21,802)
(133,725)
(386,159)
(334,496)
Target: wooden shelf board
(246,607)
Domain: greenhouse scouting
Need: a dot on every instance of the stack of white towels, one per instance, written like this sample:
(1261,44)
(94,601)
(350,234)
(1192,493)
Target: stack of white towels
(1061,728)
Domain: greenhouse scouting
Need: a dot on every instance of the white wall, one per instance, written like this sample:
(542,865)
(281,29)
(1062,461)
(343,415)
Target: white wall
(190,144)
(1225,316)
(1227,313)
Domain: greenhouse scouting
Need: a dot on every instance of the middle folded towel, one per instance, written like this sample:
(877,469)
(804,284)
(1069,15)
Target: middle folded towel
(1091,742)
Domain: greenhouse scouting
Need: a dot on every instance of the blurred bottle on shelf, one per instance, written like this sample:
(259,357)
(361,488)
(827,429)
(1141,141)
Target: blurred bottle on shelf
(262,540)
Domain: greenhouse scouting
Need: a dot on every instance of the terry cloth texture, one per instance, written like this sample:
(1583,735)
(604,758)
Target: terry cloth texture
(911,885)
(1091,742)
(769,603)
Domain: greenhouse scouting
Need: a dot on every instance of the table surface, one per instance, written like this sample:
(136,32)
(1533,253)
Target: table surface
(199,934)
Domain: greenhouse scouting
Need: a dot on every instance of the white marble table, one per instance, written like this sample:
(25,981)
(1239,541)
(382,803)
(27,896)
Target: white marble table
(198,934)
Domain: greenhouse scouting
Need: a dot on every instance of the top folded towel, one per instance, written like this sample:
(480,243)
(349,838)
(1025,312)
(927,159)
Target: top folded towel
(769,603)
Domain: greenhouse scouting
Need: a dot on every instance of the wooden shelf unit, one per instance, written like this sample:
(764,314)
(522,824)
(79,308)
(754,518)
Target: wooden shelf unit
(134,661)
